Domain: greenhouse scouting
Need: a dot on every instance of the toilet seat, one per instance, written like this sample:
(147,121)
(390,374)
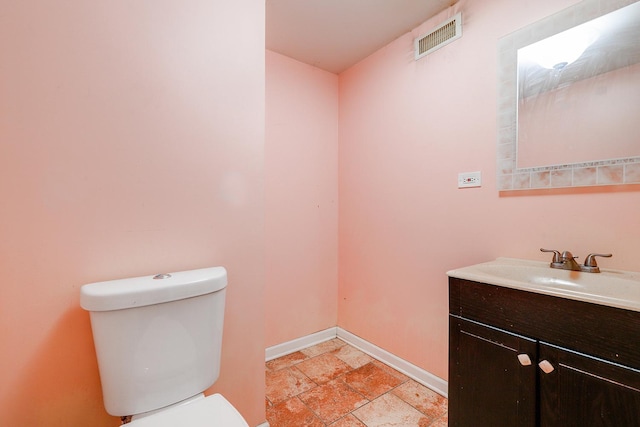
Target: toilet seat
(211,411)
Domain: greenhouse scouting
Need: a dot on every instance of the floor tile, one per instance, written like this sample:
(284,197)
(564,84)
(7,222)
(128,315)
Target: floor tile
(292,413)
(286,361)
(443,421)
(286,383)
(352,356)
(348,421)
(323,347)
(333,384)
(389,370)
(390,411)
(370,380)
(323,368)
(332,400)
(423,399)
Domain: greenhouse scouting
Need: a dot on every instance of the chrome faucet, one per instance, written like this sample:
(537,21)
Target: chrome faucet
(566,261)
(569,262)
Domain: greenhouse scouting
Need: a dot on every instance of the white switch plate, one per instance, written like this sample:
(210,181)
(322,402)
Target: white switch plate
(469,179)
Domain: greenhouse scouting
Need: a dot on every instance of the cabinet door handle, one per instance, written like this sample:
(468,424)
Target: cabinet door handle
(524,359)
(546,367)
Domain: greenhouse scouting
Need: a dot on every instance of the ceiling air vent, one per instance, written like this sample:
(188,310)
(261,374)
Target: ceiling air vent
(444,34)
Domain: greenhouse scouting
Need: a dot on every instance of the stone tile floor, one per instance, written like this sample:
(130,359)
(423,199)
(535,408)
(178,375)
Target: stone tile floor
(334,384)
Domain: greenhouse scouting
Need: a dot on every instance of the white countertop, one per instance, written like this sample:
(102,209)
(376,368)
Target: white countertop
(614,288)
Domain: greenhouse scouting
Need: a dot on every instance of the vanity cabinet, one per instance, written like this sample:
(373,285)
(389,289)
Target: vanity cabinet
(519,358)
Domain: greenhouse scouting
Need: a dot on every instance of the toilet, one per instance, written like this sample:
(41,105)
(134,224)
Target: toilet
(158,342)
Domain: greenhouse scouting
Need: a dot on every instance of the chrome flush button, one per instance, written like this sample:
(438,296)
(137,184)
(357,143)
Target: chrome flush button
(161,276)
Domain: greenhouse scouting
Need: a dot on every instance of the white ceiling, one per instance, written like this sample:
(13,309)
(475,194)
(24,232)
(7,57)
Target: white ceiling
(335,34)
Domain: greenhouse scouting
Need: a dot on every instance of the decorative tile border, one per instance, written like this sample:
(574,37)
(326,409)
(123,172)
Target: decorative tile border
(605,172)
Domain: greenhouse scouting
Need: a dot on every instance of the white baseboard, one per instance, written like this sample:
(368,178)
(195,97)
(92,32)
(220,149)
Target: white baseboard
(420,375)
(264,424)
(292,346)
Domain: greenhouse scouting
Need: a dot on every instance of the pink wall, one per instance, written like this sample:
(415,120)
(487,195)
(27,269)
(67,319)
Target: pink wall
(301,206)
(406,129)
(131,143)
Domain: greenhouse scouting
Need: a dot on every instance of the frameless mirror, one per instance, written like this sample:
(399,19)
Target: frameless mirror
(569,99)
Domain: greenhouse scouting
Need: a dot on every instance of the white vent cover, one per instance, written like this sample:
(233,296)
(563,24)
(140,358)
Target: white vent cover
(444,34)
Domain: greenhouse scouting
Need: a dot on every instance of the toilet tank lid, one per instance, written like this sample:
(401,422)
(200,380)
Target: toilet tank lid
(148,290)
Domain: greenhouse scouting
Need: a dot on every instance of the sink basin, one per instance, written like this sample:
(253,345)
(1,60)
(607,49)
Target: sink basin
(614,288)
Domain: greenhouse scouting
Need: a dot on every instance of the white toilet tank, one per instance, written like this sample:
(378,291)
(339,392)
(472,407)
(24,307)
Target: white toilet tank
(158,339)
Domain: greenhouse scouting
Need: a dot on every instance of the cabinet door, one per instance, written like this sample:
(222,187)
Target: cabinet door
(489,385)
(584,391)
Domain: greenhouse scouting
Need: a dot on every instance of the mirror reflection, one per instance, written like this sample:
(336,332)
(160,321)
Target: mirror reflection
(579,93)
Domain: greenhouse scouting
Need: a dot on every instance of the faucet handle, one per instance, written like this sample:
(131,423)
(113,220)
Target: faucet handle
(556,256)
(590,264)
(590,260)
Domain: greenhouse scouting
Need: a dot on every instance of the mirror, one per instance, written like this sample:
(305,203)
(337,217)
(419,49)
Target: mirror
(571,116)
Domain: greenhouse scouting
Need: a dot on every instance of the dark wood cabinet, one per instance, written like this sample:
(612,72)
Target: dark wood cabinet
(492,387)
(585,391)
(502,338)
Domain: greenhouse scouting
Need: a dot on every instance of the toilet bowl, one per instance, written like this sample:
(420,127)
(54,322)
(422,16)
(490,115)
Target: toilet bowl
(209,411)
(158,341)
